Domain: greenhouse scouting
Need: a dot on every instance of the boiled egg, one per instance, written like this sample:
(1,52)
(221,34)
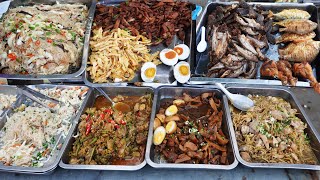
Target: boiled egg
(148,72)
(169,57)
(159,135)
(181,72)
(171,110)
(182,50)
(171,127)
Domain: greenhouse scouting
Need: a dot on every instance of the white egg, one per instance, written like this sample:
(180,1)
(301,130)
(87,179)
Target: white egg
(182,50)
(169,57)
(148,72)
(181,72)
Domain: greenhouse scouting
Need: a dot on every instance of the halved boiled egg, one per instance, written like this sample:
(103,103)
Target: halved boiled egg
(171,110)
(182,50)
(148,71)
(181,72)
(169,57)
(159,135)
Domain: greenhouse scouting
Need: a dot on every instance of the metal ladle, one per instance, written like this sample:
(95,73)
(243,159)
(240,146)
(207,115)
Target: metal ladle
(119,106)
(239,101)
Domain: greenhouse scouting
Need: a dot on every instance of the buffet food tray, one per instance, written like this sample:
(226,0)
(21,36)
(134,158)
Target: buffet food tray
(288,96)
(8,90)
(163,92)
(199,69)
(164,73)
(111,91)
(83,59)
(55,156)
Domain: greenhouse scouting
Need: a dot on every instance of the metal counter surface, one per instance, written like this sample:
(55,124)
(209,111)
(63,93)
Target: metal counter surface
(307,97)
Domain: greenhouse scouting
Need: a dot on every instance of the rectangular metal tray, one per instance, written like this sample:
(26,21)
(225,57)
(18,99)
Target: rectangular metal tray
(171,92)
(287,95)
(111,91)
(8,90)
(202,59)
(83,59)
(164,73)
(55,157)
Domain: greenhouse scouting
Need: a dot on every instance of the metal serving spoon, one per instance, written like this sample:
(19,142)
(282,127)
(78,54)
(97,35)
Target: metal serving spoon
(239,101)
(119,106)
(202,46)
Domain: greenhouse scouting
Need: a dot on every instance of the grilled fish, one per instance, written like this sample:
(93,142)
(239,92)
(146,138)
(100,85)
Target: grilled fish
(290,14)
(298,26)
(292,37)
(301,51)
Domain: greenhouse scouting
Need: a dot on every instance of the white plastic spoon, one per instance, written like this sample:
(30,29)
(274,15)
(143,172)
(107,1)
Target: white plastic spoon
(239,101)
(202,46)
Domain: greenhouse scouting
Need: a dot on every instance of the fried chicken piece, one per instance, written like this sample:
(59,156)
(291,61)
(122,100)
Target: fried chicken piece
(269,69)
(304,70)
(285,73)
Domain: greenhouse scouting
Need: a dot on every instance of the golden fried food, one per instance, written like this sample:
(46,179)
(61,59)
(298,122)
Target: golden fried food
(298,26)
(117,55)
(300,52)
(290,14)
(292,37)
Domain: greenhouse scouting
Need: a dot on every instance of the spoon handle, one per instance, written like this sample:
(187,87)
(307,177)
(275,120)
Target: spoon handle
(224,90)
(203,33)
(104,94)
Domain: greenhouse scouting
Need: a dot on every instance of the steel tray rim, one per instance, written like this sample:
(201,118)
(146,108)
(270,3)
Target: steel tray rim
(186,166)
(270,165)
(83,59)
(59,153)
(110,167)
(201,80)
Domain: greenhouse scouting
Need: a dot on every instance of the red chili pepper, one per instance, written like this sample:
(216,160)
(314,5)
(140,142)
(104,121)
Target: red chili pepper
(12,56)
(102,116)
(49,40)
(111,121)
(37,43)
(108,111)
(88,128)
(117,126)
(30,55)
(8,34)
(138,114)
(88,117)
(123,122)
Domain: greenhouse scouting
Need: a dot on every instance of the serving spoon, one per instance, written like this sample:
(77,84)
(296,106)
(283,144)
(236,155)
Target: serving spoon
(239,101)
(202,46)
(119,106)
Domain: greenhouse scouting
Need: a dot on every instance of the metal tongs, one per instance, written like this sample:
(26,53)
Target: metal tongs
(34,95)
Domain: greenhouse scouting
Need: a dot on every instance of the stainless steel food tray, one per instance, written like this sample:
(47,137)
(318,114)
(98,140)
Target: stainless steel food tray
(287,95)
(172,92)
(111,91)
(8,90)
(199,69)
(164,73)
(83,60)
(55,157)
